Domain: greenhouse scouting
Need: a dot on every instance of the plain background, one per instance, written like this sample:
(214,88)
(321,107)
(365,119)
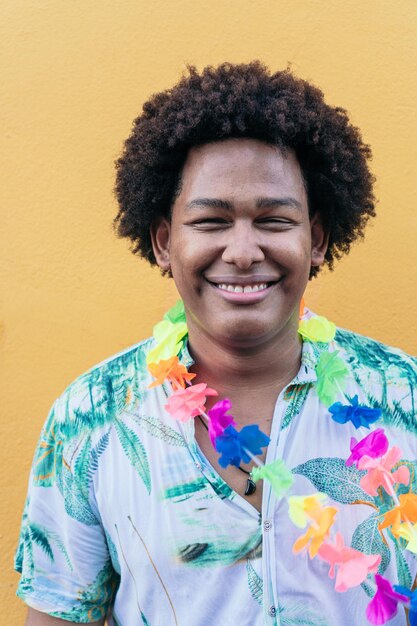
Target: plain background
(74,76)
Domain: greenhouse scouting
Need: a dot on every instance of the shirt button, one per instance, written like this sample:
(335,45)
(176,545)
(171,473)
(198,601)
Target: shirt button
(272,611)
(267,525)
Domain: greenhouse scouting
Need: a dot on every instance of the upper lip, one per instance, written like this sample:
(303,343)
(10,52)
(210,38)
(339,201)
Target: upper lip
(242,280)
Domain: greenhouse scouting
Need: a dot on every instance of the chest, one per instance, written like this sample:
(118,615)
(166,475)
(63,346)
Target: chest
(237,478)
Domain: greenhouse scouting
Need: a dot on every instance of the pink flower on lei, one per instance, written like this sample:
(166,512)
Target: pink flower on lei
(186,403)
(380,472)
(219,420)
(353,566)
(373,445)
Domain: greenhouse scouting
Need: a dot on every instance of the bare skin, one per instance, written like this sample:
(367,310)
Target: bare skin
(254,404)
(35,618)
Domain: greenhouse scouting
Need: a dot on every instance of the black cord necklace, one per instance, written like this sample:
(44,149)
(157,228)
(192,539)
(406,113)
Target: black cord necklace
(250,484)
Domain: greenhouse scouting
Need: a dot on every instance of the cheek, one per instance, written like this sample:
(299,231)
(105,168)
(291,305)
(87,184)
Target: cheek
(293,252)
(191,255)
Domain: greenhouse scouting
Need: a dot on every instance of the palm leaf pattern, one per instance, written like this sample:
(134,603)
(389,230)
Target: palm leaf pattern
(34,535)
(96,453)
(48,455)
(135,451)
(158,429)
(296,396)
(299,615)
(255,582)
(404,574)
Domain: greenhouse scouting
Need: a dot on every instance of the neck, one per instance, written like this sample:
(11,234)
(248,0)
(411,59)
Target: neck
(231,370)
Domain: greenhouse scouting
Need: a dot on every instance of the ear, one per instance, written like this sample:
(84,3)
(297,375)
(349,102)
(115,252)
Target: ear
(319,240)
(161,238)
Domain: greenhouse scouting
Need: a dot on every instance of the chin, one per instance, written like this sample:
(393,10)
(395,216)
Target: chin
(245,334)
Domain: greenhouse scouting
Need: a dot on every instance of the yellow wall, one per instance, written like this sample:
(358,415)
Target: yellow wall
(74,76)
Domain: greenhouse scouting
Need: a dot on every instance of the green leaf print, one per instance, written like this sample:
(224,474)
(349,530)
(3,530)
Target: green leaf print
(141,367)
(76,499)
(183,491)
(331,476)
(412,487)
(144,620)
(367,539)
(96,453)
(81,466)
(403,571)
(255,582)
(56,539)
(135,451)
(299,615)
(114,557)
(48,456)
(37,535)
(296,397)
(156,428)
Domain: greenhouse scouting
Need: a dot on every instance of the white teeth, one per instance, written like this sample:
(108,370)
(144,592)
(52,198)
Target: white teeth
(240,289)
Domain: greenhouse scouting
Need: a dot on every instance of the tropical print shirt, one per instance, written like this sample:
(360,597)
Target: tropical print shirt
(125,517)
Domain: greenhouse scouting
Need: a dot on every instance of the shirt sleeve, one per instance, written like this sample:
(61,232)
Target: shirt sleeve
(62,555)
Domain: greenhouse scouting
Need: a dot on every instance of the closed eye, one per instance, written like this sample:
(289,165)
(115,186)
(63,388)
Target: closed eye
(276,222)
(210,222)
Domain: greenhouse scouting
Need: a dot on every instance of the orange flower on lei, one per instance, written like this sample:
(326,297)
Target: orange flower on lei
(172,370)
(406,511)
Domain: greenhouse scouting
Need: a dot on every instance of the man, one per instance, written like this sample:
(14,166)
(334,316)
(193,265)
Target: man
(240,185)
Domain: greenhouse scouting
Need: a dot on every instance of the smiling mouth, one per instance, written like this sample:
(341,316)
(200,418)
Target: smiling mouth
(243,285)
(242,288)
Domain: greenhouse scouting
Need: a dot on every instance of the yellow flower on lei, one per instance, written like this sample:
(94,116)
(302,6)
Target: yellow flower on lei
(409,532)
(303,508)
(317,328)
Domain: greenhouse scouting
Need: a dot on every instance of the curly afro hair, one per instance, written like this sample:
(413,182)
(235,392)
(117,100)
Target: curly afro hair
(245,100)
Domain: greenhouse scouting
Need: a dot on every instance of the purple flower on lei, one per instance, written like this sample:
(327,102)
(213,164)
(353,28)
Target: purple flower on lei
(354,412)
(219,420)
(373,445)
(233,445)
(383,605)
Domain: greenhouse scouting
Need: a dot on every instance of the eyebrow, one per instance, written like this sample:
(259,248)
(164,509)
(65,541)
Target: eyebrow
(261,203)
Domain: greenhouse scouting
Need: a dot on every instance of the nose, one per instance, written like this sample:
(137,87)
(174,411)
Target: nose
(242,247)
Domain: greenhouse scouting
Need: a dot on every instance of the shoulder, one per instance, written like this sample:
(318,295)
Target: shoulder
(95,398)
(387,375)
(364,352)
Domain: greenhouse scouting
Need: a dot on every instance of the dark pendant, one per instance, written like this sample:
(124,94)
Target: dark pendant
(250,487)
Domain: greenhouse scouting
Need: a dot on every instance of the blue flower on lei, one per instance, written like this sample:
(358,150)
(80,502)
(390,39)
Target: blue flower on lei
(234,445)
(354,412)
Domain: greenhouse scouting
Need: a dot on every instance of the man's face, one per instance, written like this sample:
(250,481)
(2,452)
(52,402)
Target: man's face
(240,243)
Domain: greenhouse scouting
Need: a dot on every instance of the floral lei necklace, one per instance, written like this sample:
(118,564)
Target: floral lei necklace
(371,453)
